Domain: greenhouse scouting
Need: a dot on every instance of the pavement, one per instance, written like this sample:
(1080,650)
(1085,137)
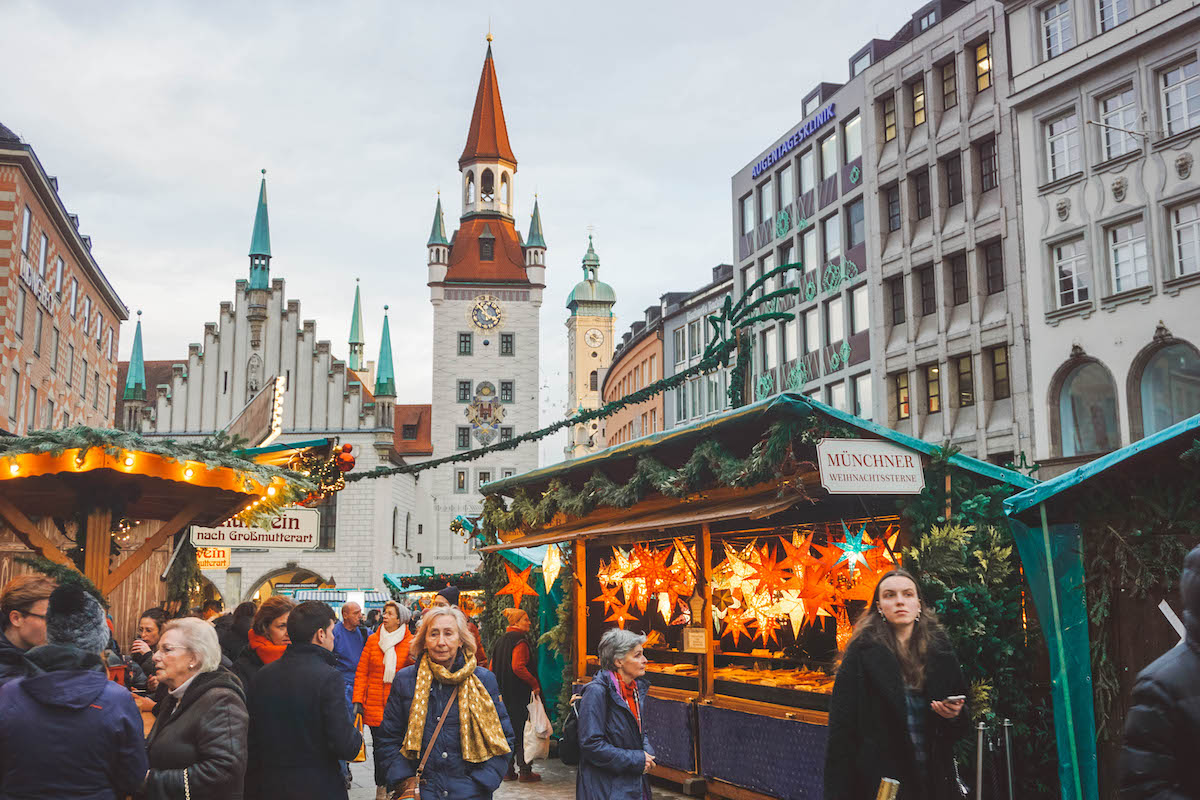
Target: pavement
(558,783)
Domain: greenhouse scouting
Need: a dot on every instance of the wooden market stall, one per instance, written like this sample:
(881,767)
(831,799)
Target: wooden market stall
(721,543)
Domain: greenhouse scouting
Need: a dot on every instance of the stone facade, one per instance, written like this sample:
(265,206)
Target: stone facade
(590,349)
(685,335)
(637,363)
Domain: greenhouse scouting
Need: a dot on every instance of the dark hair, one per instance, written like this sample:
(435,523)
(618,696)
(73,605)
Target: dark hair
(926,635)
(272,609)
(308,618)
(157,614)
(214,605)
(22,592)
(373,616)
(243,618)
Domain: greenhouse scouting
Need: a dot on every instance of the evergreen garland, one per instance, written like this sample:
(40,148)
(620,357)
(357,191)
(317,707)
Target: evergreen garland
(183,578)
(63,575)
(463,580)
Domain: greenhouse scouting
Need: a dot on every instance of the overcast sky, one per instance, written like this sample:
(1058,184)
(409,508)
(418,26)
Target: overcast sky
(627,117)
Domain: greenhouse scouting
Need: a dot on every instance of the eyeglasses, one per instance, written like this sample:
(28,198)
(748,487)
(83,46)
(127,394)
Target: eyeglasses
(31,614)
(167,649)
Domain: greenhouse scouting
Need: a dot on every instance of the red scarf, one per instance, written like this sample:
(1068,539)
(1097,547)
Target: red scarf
(630,693)
(267,650)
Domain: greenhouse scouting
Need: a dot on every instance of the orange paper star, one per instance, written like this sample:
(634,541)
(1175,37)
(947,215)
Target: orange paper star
(768,575)
(620,615)
(735,626)
(608,596)
(518,585)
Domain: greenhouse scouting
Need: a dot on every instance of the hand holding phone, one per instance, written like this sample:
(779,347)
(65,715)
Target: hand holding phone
(956,698)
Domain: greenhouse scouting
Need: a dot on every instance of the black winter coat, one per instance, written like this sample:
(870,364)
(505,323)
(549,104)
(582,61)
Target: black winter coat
(868,725)
(204,732)
(245,667)
(13,663)
(1162,730)
(299,728)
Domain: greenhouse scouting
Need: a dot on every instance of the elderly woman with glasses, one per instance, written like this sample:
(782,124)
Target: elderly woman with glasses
(615,753)
(197,747)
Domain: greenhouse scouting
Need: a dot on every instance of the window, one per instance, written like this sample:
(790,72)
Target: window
(831,232)
(74,297)
(680,403)
(1087,411)
(966,381)
(747,215)
(49,413)
(983,66)
(508,473)
(893,206)
(789,341)
(87,315)
(765,212)
(808,180)
(83,380)
(811,104)
(1000,388)
(506,433)
(895,288)
(99,327)
(654,412)
(862,395)
(1185,233)
(993,257)
(43,259)
(1127,256)
(1112,13)
(508,344)
(928,292)
(460,481)
(466,342)
(860,310)
(1181,97)
(860,63)
(14,386)
(54,343)
(933,389)
(989,166)
(653,374)
(917,93)
(506,392)
(70,363)
(852,133)
(949,86)
(694,392)
(837,395)
(1119,113)
(928,20)
(19,322)
(462,437)
(487,249)
(26,229)
(464,391)
(921,190)
(808,250)
(1062,146)
(38,321)
(594,381)
(96,389)
(679,338)
(952,167)
(695,342)
(59,268)
(889,118)
(786,181)
(835,323)
(1057,33)
(108,341)
(903,410)
(408,433)
(829,161)
(812,331)
(769,359)
(31,409)
(857,226)
(959,284)
(1071,271)
(1169,388)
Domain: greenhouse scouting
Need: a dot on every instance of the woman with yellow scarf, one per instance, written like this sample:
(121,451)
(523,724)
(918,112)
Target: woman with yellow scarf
(444,727)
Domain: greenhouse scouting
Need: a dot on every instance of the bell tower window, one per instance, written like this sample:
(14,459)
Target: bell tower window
(487,249)
(469,189)
(505,189)
(487,186)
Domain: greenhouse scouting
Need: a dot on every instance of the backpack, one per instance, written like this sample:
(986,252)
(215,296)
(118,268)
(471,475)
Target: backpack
(568,744)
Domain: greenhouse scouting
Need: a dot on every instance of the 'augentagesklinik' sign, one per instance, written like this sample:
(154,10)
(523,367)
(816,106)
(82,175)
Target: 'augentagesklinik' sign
(295,528)
(869,466)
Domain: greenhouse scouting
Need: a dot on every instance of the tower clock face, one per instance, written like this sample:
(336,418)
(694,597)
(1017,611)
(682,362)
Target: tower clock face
(594,337)
(486,313)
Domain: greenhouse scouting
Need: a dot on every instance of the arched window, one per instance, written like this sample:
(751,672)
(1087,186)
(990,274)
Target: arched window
(487,186)
(1170,387)
(505,189)
(594,380)
(1087,411)
(469,188)
(395,516)
(407,528)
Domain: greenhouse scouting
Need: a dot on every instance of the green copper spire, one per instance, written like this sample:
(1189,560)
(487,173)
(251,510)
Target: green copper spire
(260,242)
(590,259)
(438,234)
(535,228)
(356,331)
(385,378)
(591,296)
(135,379)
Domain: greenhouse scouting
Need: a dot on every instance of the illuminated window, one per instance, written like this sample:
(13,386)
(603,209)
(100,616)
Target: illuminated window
(933,389)
(918,103)
(460,481)
(903,410)
(983,66)
(889,118)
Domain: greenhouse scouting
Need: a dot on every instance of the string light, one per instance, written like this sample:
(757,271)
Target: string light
(129,459)
(15,468)
(188,473)
(270,491)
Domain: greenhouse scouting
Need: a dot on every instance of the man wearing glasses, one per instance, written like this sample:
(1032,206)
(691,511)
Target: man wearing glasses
(24,602)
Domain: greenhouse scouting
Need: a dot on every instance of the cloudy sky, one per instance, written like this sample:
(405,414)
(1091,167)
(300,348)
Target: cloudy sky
(628,118)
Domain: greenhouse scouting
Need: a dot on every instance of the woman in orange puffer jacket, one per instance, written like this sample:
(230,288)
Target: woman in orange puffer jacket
(385,654)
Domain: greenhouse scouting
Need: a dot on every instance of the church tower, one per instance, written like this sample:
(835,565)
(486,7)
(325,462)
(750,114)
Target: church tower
(134,395)
(485,285)
(589,351)
(356,332)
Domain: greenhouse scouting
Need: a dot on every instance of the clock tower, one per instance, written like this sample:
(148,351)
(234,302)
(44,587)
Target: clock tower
(589,350)
(485,284)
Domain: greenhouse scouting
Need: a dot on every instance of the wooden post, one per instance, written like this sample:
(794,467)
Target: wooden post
(152,543)
(948,509)
(580,587)
(96,553)
(704,561)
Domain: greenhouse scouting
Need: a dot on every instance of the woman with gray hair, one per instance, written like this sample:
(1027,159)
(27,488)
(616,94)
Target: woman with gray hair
(615,753)
(198,744)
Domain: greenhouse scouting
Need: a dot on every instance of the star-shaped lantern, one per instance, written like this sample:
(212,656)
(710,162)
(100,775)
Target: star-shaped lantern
(608,596)
(769,576)
(518,585)
(853,548)
(735,626)
(620,615)
(551,566)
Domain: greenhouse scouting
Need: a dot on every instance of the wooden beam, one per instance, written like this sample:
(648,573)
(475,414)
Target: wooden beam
(580,587)
(152,543)
(97,552)
(704,561)
(30,536)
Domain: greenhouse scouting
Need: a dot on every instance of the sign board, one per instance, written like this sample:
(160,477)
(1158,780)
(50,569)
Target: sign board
(869,466)
(295,528)
(793,141)
(428,571)
(693,640)
(212,557)
(261,420)
(39,286)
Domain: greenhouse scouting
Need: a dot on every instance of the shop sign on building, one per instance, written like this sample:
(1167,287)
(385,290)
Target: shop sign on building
(37,284)
(295,528)
(212,557)
(803,132)
(869,466)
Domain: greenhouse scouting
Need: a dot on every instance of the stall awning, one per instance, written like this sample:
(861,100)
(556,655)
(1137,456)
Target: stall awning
(757,507)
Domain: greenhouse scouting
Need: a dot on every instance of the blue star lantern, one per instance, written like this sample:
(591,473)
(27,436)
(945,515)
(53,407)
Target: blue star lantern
(852,549)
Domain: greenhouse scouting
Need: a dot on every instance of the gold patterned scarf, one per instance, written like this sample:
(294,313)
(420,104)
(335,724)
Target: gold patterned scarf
(482,736)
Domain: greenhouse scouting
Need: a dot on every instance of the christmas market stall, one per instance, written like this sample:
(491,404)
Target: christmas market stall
(1102,547)
(743,547)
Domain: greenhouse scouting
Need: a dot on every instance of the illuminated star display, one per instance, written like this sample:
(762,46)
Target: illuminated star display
(518,584)
(853,549)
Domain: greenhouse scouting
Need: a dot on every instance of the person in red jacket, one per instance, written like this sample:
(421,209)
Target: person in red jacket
(385,654)
(516,672)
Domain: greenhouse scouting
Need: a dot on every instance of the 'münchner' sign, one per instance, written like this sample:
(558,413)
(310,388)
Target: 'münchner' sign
(295,528)
(869,466)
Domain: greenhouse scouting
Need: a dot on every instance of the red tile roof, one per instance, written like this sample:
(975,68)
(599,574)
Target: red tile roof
(488,135)
(507,264)
(156,372)
(422,417)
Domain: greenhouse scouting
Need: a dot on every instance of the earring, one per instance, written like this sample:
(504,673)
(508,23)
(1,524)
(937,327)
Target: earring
(191,666)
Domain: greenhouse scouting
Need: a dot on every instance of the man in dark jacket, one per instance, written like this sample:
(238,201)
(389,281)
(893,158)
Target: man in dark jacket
(68,731)
(23,604)
(1162,730)
(299,728)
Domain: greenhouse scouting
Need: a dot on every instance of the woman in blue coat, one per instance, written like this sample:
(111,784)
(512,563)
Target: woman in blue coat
(615,753)
(469,756)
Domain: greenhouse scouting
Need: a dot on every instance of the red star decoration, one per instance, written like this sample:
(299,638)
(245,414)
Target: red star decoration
(652,568)
(608,596)
(767,629)
(769,575)
(735,626)
(798,557)
(620,615)
(518,585)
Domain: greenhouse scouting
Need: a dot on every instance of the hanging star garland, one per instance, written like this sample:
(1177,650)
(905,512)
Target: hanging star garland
(518,585)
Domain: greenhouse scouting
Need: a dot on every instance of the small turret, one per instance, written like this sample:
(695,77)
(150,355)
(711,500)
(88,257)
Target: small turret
(260,242)
(135,382)
(385,378)
(535,248)
(356,332)
(439,248)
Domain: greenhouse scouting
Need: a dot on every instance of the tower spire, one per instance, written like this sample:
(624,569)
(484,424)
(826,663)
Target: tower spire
(437,236)
(135,379)
(535,228)
(260,241)
(356,331)
(488,135)
(385,378)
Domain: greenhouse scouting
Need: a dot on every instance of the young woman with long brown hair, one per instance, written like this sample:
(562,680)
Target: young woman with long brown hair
(897,705)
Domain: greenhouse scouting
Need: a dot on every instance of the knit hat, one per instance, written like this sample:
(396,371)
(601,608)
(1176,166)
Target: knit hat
(516,616)
(451,593)
(76,619)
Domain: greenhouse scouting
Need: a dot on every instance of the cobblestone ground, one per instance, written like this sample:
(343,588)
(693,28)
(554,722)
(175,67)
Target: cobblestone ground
(558,783)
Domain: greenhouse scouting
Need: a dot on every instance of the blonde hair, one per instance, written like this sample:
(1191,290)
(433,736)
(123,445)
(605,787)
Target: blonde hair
(466,640)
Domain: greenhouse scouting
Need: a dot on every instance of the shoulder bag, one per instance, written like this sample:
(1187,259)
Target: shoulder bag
(411,788)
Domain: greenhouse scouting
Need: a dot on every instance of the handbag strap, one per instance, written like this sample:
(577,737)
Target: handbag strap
(436,731)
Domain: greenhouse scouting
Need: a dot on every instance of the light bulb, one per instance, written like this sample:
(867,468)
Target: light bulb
(14,469)
(129,461)
(271,491)
(188,473)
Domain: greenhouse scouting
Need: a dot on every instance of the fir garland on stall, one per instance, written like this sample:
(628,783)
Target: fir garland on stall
(183,578)
(63,575)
